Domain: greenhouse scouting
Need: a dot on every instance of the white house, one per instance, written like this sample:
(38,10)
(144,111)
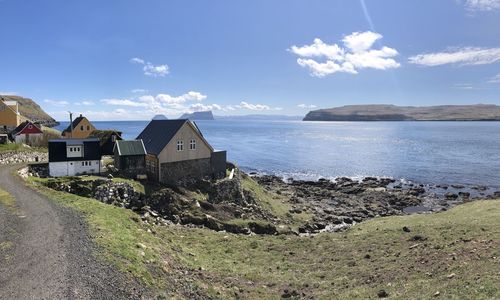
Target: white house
(70,157)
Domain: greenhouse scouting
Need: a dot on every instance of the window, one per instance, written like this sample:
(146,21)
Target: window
(30,126)
(113,138)
(88,127)
(81,128)
(180,145)
(83,163)
(70,149)
(192,145)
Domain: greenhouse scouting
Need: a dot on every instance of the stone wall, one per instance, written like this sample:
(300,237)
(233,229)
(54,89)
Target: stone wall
(194,169)
(8,158)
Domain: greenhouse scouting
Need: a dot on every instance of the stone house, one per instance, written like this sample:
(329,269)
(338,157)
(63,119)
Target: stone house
(176,150)
(82,128)
(70,157)
(10,117)
(28,133)
(108,139)
(130,157)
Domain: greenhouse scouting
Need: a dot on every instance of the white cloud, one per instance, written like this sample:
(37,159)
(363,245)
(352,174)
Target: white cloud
(56,102)
(150,69)
(495,79)
(155,71)
(202,107)
(306,106)
(8,93)
(85,103)
(189,96)
(123,102)
(249,106)
(482,5)
(459,56)
(463,86)
(139,91)
(356,54)
(137,60)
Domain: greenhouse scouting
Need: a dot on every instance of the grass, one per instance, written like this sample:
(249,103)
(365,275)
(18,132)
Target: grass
(274,203)
(13,147)
(454,253)
(8,201)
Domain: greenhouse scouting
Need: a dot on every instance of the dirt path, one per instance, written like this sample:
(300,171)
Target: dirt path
(46,253)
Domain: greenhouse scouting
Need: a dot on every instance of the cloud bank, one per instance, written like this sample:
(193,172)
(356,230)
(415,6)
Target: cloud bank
(458,56)
(356,53)
(482,5)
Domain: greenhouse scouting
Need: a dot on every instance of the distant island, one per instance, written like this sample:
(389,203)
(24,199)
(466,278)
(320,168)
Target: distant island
(385,112)
(160,117)
(29,110)
(198,115)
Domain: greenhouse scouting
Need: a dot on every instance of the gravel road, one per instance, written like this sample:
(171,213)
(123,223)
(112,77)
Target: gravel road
(46,252)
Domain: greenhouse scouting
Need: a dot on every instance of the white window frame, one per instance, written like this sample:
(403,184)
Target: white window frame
(192,144)
(180,145)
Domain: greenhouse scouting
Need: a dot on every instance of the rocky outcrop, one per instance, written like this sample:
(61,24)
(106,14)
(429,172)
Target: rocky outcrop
(117,193)
(8,158)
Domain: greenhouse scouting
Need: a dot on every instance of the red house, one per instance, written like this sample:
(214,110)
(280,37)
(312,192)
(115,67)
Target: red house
(27,133)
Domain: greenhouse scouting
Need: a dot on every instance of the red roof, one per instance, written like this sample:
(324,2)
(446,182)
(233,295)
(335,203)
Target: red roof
(27,128)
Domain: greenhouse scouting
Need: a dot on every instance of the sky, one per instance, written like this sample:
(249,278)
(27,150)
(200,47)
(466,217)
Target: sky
(130,60)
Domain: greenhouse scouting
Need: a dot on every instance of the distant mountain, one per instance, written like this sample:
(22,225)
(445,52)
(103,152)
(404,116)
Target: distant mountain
(160,117)
(257,117)
(31,111)
(199,115)
(384,112)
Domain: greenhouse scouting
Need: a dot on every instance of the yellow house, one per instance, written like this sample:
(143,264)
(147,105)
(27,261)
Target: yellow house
(82,128)
(9,114)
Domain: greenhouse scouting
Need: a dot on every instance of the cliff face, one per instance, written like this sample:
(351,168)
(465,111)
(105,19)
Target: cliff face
(382,112)
(32,111)
(199,115)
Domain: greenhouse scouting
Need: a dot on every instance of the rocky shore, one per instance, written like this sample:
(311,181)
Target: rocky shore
(338,204)
(238,205)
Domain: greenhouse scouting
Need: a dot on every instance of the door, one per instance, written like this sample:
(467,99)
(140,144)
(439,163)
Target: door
(71,169)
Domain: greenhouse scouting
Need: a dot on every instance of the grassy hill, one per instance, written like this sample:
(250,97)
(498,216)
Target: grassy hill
(447,255)
(383,112)
(31,111)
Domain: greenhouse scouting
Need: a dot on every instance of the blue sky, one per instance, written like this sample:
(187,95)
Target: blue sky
(118,60)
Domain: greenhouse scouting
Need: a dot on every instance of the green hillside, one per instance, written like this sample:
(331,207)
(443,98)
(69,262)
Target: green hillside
(29,109)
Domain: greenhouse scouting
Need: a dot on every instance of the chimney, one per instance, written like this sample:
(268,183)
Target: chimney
(81,115)
(71,124)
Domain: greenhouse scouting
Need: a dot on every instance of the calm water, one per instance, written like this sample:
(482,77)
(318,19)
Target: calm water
(425,152)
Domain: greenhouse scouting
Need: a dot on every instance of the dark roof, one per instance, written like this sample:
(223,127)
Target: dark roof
(75,123)
(135,147)
(158,134)
(105,135)
(58,151)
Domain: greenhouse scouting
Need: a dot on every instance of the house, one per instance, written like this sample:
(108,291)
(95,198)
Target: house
(176,150)
(108,139)
(130,157)
(70,157)
(28,133)
(10,117)
(82,128)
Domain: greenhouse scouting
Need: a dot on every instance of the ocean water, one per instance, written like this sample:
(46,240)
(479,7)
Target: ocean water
(465,153)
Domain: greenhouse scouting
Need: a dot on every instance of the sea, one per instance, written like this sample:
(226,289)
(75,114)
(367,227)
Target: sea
(430,153)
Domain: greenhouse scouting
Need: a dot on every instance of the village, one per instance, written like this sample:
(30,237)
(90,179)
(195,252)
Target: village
(166,151)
